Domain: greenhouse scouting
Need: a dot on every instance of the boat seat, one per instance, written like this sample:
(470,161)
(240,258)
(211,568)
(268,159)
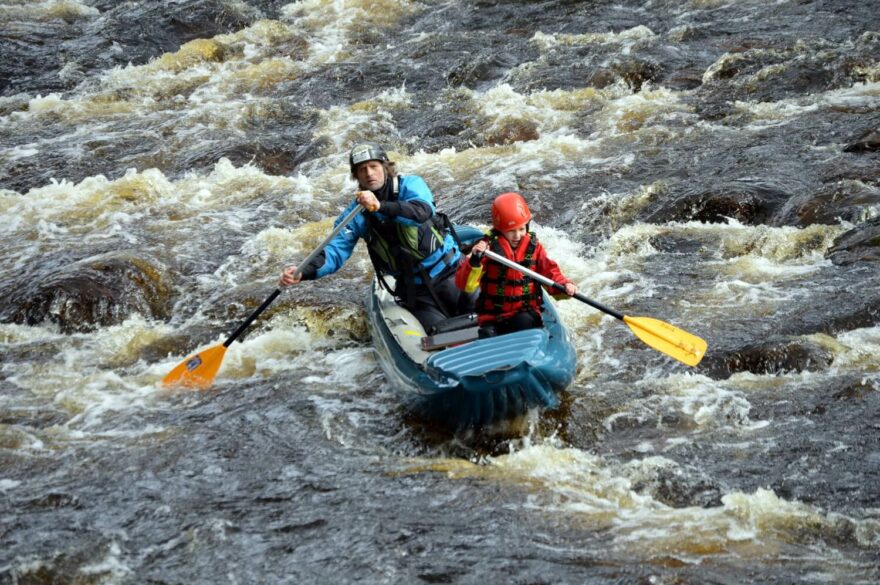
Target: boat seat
(407,330)
(450,338)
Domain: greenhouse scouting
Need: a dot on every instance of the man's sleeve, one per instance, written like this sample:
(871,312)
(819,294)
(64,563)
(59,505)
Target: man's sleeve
(340,248)
(415,204)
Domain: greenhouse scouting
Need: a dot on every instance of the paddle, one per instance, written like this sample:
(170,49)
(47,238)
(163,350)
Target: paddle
(681,345)
(198,371)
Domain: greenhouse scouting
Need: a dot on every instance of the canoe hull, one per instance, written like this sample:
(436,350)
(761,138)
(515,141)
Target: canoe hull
(478,384)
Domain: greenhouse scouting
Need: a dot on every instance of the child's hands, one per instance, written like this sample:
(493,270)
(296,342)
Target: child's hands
(480,247)
(571,289)
(476,255)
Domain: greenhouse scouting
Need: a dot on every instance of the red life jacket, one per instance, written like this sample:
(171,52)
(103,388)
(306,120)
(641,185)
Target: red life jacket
(504,291)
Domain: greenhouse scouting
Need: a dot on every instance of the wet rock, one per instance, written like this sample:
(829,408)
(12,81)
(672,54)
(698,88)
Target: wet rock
(601,78)
(637,72)
(768,71)
(95,292)
(684,79)
(512,131)
(449,122)
(843,200)
(860,244)
(770,357)
(857,390)
(39,55)
(745,201)
(480,69)
(868,142)
(337,316)
(680,487)
(274,156)
(182,343)
(714,110)
(853,306)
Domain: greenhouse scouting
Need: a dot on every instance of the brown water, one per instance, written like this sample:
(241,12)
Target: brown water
(707,163)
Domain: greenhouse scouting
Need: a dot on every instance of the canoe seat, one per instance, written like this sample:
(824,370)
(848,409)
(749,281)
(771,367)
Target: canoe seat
(450,338)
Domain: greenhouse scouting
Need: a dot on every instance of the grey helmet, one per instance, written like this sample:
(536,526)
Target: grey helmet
(364,152)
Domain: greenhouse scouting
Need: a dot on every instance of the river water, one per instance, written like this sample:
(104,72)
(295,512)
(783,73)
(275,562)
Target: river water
(710,163)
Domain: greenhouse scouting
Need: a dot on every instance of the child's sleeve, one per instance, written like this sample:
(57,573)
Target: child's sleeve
(549,268)
(467,277)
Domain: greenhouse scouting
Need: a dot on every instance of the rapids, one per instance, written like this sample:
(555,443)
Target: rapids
(711,163)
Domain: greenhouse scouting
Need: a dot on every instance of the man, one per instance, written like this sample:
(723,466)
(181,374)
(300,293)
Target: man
(406,238)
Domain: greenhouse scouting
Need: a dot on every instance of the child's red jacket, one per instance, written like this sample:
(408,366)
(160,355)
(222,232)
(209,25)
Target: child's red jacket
(520,292)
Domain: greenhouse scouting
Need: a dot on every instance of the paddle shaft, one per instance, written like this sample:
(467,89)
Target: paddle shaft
(546,281)
(339,227)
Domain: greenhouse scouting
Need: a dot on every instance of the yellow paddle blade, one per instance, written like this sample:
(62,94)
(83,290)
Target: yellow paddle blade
(683,346)
(198,371)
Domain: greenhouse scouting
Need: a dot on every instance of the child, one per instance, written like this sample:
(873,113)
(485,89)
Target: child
(509,300)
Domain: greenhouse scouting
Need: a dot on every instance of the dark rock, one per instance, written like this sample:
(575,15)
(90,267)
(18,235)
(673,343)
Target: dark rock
(745,201)
(681,488)
(771,357)
(513,131)
(481,68)
(856,390)
(684,79)
(860,244)
(98,291)
(868,142)
(637,72)
(844,200)
(35,53)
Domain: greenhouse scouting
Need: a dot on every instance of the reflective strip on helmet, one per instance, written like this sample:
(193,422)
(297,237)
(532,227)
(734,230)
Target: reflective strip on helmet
(364,152)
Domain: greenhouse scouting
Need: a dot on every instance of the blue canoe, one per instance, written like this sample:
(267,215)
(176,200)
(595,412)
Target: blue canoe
(476,384)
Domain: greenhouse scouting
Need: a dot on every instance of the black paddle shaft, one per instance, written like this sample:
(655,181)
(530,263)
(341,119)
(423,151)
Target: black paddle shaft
(252,317)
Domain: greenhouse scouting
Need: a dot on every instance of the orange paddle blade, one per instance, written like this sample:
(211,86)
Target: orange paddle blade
(198,371)
(674,342)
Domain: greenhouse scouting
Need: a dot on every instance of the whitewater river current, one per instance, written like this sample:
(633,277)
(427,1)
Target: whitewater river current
(710,163)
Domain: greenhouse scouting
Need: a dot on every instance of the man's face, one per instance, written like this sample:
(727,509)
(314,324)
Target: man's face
(370,175)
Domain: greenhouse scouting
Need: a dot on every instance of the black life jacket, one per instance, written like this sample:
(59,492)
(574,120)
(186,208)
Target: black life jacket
(414,254)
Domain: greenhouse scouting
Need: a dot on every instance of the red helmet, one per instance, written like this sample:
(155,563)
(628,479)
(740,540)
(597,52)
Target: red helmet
(509,212)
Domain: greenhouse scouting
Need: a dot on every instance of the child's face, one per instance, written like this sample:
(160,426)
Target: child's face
(514,236)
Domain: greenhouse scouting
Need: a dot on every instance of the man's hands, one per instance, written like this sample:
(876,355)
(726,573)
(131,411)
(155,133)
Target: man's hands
(289,276)
(368,200)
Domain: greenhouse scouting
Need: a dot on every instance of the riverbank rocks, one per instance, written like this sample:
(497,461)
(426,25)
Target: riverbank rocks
(95,292)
